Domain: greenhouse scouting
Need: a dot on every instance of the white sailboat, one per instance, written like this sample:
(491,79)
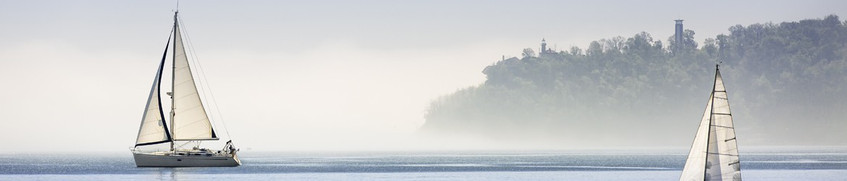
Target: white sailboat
(189,122)
(714,153)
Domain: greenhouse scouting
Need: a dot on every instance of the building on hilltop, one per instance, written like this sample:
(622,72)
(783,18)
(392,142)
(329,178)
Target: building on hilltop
(544,49)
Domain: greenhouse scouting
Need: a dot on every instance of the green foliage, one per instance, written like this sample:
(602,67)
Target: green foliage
(777,75)
(688,45)
(528,52)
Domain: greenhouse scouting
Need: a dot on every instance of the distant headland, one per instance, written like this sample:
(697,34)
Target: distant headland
(788,77)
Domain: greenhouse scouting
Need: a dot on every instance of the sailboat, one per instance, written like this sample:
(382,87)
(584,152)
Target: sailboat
(189,122)
(714,153)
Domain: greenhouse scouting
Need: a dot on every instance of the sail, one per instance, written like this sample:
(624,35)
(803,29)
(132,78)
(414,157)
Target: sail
(190,121)
(153,129)
(714,153)
(727,162)
(695,165)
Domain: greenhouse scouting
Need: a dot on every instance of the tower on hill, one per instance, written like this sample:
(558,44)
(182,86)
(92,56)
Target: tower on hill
(678,34)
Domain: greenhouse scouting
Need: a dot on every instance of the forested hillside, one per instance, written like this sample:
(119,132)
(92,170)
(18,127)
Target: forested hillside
(783,79)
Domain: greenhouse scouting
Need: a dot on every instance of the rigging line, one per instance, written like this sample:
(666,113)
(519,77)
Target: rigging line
(204,81)
(183,144)
(711,121)
(721,126)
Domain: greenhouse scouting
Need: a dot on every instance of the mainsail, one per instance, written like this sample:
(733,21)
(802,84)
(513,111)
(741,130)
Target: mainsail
(153,128)
(190,122)
(714,153)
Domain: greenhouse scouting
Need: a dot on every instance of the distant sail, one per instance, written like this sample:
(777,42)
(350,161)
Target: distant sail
(714,153)
(190,119)
(153,128)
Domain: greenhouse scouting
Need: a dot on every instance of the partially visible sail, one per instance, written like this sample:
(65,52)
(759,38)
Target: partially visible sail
(714,153)
(189,119)
(153,129)
(727,164)
(695,166)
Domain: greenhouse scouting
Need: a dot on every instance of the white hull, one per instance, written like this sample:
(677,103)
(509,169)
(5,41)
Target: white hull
(162,159)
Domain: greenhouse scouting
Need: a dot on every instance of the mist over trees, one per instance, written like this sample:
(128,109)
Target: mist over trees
(786,85)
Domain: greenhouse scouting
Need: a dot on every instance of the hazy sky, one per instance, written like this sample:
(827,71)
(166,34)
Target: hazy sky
(297,75)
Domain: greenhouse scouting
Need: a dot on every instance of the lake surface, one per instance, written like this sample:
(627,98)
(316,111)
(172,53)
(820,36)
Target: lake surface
(764,164)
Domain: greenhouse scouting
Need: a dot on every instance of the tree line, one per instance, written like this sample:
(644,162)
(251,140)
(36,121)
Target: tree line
(782,78)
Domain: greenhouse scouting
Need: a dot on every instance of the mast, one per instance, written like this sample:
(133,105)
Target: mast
(711,123)
(173,77)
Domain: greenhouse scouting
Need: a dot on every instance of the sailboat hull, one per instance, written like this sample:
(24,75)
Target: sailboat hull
(166,160)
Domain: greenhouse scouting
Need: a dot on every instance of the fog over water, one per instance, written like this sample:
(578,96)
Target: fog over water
(320,75)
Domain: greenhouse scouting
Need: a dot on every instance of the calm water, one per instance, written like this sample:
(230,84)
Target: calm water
(766,164)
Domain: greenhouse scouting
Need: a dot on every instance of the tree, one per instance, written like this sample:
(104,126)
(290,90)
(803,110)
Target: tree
(710,46)
(688,44)
(576,51)
(595,48)
(528,52)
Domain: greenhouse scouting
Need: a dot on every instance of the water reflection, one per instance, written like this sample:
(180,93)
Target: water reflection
(168,174)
